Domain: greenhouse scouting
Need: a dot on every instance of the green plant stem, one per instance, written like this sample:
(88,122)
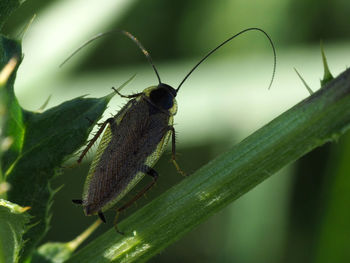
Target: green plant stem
(76,242)
(320,118)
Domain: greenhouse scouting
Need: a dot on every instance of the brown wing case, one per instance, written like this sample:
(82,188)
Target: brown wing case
(132,140)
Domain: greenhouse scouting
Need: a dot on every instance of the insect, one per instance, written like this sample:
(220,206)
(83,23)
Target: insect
(134,139)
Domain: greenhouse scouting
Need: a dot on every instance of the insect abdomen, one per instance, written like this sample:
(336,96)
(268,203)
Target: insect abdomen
(128,146)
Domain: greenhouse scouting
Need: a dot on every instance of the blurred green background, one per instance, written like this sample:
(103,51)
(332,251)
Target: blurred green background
(300,214)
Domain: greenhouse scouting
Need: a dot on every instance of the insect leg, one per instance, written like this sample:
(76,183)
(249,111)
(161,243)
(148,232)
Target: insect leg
(127,96)
(89,120)
(150,171)
(173,151)
(93,140)
(102,217)
(77,201)
(147,170)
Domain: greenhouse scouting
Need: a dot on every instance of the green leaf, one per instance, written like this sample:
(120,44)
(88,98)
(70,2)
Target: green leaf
(5,142)
(13,125)
(50,138)
(6,9)
(57,252)
(41,143)
(52,252)
(320,118)
(13,219)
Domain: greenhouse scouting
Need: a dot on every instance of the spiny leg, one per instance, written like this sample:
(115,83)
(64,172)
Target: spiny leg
(77,201)
(149,171)
(93,140)
(89,120)
(127,96)
(102,217)
(173,151)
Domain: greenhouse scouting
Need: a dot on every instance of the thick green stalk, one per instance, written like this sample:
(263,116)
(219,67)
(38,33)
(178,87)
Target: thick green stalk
(320,118)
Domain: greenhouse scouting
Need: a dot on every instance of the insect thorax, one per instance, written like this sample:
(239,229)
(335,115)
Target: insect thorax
(163,97)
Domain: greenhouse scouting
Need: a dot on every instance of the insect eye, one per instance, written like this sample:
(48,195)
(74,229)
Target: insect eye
(162,98)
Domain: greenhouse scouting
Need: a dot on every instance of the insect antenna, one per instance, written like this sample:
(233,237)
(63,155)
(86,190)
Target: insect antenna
(130,36)
(228,40)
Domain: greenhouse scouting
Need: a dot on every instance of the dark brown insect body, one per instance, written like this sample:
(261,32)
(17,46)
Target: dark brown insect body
(132,142)
(134,139)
